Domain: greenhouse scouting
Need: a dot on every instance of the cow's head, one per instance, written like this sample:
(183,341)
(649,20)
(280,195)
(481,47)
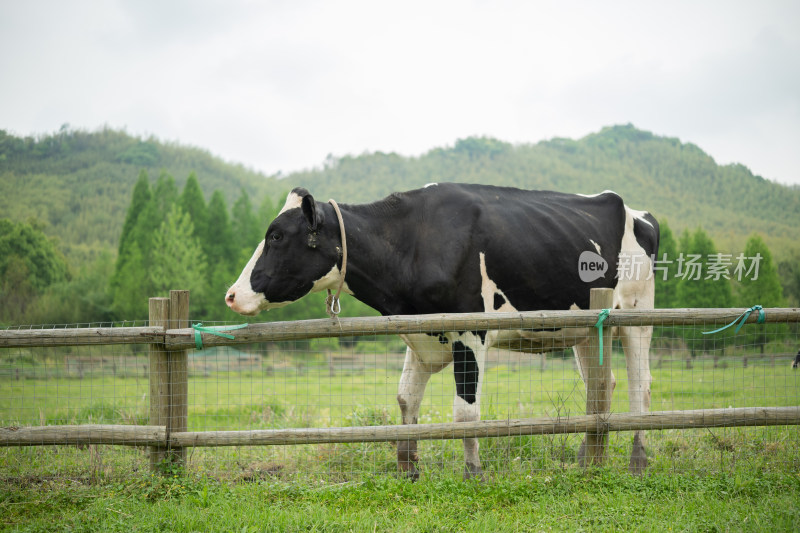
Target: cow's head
(299,254)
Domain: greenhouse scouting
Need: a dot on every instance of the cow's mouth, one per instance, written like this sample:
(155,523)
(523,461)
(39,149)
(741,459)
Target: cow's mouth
(236,305)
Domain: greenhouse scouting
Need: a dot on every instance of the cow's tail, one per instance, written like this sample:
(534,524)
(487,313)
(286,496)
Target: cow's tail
(648,233)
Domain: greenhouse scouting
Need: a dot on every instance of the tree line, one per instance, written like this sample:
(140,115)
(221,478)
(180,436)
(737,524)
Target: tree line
(673,180)
(174,239)
(171,239)
(89,238)
(77,184)
(691,272)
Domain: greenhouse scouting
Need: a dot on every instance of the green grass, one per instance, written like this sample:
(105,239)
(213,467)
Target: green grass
(253,400)
(295,396)
(560,501)
(725,479)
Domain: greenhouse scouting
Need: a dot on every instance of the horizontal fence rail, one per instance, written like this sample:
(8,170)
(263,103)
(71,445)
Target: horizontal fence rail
(169,339)
(84,434)
(36,338)
(182,338)
(157,435)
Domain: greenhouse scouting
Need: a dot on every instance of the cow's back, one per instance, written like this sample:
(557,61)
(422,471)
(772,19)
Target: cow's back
(528,243)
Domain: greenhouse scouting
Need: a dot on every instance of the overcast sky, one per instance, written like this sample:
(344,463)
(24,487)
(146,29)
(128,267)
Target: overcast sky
(279,85)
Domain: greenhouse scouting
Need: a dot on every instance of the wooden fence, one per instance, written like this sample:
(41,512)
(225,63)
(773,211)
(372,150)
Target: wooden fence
(169,337)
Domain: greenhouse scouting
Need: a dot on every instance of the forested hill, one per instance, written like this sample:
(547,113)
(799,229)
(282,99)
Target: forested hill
(70,193)
(77,185)
(678,182)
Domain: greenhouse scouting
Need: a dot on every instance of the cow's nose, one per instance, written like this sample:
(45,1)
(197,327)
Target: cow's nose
(230,298)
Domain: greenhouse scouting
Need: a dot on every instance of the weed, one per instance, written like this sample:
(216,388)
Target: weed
(369,416)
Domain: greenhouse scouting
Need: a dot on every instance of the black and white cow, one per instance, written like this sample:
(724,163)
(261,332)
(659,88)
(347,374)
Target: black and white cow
(454,248)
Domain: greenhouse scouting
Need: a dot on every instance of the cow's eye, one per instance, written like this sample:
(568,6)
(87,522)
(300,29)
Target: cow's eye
(276,237)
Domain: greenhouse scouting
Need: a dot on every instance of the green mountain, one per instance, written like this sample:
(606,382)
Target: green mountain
(676,181)
(77,185)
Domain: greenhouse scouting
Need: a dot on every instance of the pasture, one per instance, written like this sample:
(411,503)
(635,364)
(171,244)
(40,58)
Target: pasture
(721,479)
(288,389)
(747,499)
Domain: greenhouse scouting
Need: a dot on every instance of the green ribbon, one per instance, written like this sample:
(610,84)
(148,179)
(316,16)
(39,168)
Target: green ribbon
(212,330)
(762,317)
(600,319)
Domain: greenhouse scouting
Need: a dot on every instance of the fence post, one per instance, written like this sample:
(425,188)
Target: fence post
(169,385)
(598,380)
(178,374)
(159,379)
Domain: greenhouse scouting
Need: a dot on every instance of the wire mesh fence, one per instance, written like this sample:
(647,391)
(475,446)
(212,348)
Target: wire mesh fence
(352,381)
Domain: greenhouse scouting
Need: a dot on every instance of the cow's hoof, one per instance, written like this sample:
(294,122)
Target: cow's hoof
(407,458)
(473,472)
(409,471)
(638,458)
(411,474)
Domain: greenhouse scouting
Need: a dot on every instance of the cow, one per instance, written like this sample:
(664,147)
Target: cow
(796,362)
(459,248)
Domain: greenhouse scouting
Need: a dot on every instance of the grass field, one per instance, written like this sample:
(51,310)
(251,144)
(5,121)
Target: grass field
(568,500)
(725,479)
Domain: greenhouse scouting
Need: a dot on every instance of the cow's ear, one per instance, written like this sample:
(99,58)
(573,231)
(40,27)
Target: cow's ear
(310,211)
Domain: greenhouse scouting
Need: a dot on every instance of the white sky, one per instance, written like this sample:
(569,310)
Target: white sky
(279,85)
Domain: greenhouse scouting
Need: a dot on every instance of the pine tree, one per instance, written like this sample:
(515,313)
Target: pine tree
(132,285)
(685,242)
(177,257)
(766,289)
(141,197)
(223,258)
(219,235)
(193,203)
(127,260)
(761,287)
(130,295)
(246,228)
(789,270)
(165,194)
(699,285)
(703,283)
(666,282)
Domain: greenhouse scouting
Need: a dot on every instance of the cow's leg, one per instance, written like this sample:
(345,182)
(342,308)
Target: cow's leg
(636,343)
(583,357)
(469,354)
(636,291)
(637,294)
(413,381)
